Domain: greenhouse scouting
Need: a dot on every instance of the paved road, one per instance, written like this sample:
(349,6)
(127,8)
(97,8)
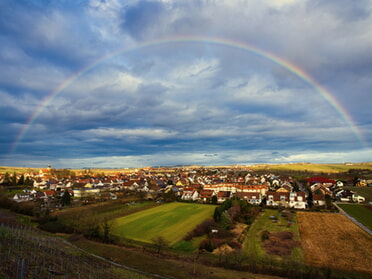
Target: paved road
(353,220)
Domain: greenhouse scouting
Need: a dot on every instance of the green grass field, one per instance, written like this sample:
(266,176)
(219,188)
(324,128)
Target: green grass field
(253,244)
(171,221)
(359,212)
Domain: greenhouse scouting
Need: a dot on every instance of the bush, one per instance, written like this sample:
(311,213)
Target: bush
(210,244)
(265,235)
(201,229)
(234,244)
(53,226)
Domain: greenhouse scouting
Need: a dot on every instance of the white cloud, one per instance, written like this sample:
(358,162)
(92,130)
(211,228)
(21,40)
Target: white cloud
(201,68)
(131,134)
(203,158)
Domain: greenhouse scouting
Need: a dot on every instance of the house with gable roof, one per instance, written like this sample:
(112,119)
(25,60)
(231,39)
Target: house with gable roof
(286,199)
(318,200)
(297,200)
(22,197)
(206,196)
(277,199)
(223,196)
(189,194)
(250,197)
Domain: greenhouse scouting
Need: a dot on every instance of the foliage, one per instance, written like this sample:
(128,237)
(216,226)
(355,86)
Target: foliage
(21,180)
(225,220)
(66,198)
(106,231)
(210,244)
(202,229)
(235,210)
(160,243)
(214,199)
(265,235)
(6,180)
(328,201)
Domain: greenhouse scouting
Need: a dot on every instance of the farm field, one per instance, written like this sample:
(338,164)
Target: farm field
(332,240)
(362,213)
(171,221)
(321,168)
(254,245)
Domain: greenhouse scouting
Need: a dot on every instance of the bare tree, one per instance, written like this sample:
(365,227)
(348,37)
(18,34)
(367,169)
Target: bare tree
(160,243)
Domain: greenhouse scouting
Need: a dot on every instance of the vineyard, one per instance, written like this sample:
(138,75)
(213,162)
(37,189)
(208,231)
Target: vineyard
(26,252)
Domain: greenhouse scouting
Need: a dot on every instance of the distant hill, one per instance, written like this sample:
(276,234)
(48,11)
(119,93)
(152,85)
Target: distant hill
(306,167)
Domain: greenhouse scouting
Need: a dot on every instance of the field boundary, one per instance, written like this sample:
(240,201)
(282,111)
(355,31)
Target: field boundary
(356,222)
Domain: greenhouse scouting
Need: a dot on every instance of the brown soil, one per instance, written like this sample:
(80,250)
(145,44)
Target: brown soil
(280,244)
(332,240)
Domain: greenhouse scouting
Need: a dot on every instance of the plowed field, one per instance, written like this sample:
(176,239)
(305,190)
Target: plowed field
(332,240)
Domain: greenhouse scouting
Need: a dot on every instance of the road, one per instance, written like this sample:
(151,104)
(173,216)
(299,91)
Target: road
(353,220)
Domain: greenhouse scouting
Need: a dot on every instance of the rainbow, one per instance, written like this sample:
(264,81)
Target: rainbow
(323,92)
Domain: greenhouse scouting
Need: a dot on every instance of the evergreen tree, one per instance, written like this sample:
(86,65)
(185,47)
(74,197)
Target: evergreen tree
(28,181)
(6,180)
(21,180)
(214,199)
(66,198)
(328,201)
(13,179)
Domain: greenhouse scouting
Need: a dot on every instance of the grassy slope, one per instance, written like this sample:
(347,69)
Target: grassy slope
(253,244)
(172,221)
(325,168)
(359,212)
(41,252)
(181,269)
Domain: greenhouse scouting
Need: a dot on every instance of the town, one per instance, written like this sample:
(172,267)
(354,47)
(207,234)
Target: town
(189,184)
(197,217)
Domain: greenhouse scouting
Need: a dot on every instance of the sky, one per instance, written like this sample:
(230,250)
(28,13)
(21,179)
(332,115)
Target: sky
(159,83)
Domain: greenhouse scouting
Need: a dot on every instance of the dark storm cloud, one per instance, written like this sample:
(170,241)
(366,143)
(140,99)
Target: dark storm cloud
(139,19)
(183,103)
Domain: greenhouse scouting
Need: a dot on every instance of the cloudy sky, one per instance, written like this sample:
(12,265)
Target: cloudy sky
(144,83)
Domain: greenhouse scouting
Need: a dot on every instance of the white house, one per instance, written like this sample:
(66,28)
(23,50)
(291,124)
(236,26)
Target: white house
(21,197)
(297,200)
(357,198)
(189,194)
(84,192)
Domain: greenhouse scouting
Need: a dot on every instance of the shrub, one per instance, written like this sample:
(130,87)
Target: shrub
(265,235)
(210,244)
(234,244)
(201,229)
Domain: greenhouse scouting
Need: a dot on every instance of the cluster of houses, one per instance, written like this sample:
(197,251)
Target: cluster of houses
(190,185)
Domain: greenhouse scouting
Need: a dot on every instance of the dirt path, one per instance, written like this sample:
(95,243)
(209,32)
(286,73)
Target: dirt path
(353,220)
